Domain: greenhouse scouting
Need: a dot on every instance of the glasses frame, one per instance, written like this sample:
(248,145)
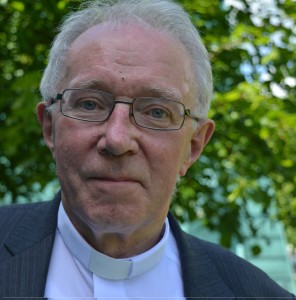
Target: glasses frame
(59,97)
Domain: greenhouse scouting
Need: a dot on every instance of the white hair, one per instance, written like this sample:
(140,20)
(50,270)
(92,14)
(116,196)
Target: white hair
(164,15)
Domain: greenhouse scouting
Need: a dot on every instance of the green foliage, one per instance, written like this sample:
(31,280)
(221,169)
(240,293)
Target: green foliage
(27,29)
(252,154)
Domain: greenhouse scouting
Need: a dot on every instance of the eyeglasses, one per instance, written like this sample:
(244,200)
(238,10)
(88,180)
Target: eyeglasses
(148,112)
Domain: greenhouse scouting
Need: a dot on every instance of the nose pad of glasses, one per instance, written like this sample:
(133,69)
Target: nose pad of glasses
(130,112)
(130,104)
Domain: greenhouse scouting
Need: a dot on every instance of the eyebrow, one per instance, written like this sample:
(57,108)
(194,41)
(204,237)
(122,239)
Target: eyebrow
(162,93)
(152,91)
(90,84)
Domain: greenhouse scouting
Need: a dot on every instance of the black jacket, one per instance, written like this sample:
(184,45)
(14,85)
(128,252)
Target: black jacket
(27,234)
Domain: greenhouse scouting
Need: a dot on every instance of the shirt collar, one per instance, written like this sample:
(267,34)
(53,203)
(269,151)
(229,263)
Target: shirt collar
(105,266)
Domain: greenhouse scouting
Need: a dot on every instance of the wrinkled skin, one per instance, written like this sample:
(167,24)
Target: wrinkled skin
(119,202)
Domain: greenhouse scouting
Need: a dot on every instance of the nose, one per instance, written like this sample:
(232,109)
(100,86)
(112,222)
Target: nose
(120,133)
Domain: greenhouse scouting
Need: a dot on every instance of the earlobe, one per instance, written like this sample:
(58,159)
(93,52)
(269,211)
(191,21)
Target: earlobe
(45,120)
(199,140)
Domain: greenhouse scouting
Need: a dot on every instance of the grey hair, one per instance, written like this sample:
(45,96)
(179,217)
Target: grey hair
(164,15)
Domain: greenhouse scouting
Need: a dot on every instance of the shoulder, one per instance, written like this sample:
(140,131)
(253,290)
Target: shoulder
(241,277)
(19,210)
(15,212)
(31,216)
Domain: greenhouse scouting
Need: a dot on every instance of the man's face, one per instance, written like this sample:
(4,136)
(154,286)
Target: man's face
(129,192)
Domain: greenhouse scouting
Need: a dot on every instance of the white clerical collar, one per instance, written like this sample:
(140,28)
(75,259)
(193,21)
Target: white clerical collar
(102,265)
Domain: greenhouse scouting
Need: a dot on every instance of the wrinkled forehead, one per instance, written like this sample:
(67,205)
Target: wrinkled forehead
(131,49)
(132,35)
(126,29)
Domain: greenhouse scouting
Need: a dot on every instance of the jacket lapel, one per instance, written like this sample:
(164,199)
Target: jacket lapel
(200,276)
(30,245)
(30,249)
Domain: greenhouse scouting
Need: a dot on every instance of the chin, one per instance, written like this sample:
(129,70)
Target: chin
(110,219)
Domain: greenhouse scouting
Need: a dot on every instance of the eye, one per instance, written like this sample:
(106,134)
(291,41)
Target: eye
(88,104)
(158,113)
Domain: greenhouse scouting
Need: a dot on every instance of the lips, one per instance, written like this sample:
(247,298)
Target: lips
(115,180)
(115,174)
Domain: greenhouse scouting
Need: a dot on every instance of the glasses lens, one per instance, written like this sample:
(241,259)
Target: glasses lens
(158,113)
(88,105)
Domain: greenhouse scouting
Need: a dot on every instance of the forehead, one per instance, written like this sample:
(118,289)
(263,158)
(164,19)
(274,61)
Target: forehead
(127,37)
(134,55)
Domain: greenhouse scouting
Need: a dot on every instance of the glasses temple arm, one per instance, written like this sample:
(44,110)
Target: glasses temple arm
(188,114)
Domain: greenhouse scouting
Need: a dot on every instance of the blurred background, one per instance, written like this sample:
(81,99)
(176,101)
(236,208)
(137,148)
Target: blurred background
(242,192)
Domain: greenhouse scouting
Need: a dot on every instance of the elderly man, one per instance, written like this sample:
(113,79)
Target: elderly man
(126,94)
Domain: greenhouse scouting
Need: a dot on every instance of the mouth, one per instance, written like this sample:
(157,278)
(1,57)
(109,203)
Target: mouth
(114,181)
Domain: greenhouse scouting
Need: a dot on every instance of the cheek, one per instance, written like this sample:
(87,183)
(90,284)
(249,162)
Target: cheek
(71,143)
(167,159)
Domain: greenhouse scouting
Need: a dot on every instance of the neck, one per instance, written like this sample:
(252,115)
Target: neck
(121,246)
(119,242)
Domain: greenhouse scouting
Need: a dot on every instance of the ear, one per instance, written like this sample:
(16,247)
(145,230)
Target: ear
(200,138)
(45,120)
